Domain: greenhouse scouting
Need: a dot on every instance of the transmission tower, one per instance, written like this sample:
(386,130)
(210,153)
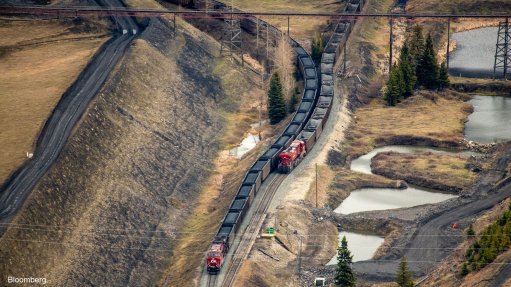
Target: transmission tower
(231,43)
(502,51)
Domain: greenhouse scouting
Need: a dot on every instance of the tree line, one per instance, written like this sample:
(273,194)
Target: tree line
(417,67)
(492,241)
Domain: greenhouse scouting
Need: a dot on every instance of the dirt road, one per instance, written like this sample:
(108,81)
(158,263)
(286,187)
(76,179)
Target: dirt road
(434,238)
(64,117)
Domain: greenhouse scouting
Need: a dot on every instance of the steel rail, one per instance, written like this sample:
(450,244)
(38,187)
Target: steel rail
(251,231)
(146,12)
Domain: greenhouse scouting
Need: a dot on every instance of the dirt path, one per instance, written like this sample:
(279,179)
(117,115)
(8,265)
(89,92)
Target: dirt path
(297,183)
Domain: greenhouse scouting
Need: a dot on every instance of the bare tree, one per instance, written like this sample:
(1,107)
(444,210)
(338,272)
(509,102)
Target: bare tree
(284,65)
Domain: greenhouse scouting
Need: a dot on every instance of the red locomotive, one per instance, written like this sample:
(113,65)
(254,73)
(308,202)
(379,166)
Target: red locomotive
(291,156)
(215,255)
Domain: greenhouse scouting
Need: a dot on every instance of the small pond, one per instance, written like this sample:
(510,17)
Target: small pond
(362,246)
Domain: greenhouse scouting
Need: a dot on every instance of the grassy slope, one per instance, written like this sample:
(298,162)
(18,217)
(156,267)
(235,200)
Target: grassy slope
(39,60)
(444,172)
(439,120)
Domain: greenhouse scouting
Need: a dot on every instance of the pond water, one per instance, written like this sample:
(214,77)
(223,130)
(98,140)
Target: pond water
(367,199)
(490,121)
(362,246)
(475,53)
(245,146)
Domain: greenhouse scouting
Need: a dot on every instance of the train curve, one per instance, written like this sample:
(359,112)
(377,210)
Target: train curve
(307,124)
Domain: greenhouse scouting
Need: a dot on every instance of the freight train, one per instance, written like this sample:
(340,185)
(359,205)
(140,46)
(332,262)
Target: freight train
(297,139)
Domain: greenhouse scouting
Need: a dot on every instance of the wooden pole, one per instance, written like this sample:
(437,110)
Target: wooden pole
(316,185)
(448,43)
(391,42)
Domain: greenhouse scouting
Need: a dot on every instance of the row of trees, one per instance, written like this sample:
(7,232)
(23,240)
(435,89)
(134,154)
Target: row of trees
(417,67)
(495,239)
(345,277)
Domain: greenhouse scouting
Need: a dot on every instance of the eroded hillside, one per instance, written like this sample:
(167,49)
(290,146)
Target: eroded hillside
(111,207)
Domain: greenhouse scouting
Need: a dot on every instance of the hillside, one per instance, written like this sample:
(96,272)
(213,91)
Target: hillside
(39,60)
(110,208)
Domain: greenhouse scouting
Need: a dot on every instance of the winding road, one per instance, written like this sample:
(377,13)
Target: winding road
(434,239)
(65,115)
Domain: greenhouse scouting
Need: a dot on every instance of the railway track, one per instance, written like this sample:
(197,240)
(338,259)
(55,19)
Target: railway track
(211,281)
(250,234)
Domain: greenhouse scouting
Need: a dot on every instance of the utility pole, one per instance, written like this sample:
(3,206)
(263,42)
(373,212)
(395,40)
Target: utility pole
(267,44)
(391,42)
(257,37)
(344,59)
(316,185)
(288,27)
(448,43)
(300,257)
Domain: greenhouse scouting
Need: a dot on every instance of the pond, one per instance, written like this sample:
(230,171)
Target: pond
(362,246)
(475,53)
(490,121)
(245,146)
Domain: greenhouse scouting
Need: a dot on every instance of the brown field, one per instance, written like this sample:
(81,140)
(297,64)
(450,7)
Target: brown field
(446,172)
(300,27)
(39,61)
(438,119)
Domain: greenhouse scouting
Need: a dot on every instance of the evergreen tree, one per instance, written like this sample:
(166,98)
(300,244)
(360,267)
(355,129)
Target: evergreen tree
(276,104)
(395,86)
(317,47)
(443,77)
(416,44)
(470,231)
(464,269)
(407,69)
(427,68)
(344,275)
(404,278)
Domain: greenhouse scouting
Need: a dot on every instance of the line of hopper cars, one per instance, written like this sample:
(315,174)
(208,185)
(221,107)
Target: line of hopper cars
(305,129)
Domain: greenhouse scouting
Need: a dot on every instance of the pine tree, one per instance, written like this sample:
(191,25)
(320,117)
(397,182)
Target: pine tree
(344,275)
(443,77)
(416,44)
(427,68)
(395,86)
(404,278)
(276,104)
(470,231)
(408,71)
(464,269)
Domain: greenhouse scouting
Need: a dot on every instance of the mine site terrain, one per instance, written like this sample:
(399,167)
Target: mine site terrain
(197,143)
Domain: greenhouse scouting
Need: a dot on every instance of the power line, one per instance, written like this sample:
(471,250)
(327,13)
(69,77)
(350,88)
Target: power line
(96,11)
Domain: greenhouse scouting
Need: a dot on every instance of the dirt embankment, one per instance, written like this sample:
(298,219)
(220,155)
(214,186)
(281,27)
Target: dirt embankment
(110,209)
(441,172)
(447,273)
(39,60)
(302,234)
